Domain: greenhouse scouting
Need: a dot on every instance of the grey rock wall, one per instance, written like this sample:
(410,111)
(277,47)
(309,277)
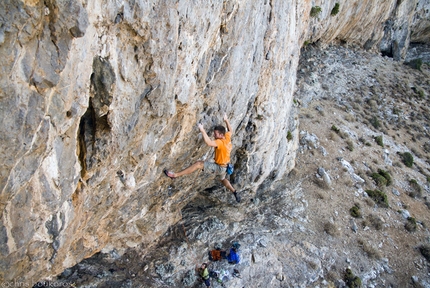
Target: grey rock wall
(97,97)
(420,31)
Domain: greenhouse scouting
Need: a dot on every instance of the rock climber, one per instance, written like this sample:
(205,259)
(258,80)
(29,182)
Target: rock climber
(223,146)
(204,273)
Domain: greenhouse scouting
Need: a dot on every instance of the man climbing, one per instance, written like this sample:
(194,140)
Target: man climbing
(223,146)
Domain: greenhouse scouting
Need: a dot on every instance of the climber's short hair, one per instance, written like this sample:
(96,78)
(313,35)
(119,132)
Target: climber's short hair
(220,129)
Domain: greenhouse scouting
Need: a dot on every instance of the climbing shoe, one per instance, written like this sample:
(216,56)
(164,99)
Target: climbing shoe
(236,273)
(168,174)
(237,197)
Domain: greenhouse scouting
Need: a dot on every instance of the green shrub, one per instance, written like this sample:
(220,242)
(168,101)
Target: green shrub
(379,179)
(416,63)
(315,11)
(421,94)
(425,251)
(375,122)
(379,197)
(335,129)
(376,221)
(411,225)
(396,110)
(379,140)
(351,280)
(370,250)
(407,159)
(335,9)
(289,136)
(355,211)
(416,189)
(382,178)
(386,175)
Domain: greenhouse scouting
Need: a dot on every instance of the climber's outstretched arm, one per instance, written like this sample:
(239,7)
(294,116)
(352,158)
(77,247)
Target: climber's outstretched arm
(208,140)
(228,124)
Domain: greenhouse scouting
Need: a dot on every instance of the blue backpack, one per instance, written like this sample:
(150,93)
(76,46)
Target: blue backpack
(233,257)
(230,169)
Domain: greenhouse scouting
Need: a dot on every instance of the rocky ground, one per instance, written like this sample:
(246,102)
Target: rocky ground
(299,231)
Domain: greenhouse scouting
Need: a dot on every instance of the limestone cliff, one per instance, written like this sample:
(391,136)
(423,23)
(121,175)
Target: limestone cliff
(97,97)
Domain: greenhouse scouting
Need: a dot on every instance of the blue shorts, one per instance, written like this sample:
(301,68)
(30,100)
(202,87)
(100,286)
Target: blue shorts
(207,282)
(212,167)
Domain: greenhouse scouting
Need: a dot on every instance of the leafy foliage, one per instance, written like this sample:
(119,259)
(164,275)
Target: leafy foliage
(351,280)
(355,211)
(411,225)
(407,159)
(375,122)
(335,9)
(335,129)
(379,140)
(379,197)
(289,136)
(315,11)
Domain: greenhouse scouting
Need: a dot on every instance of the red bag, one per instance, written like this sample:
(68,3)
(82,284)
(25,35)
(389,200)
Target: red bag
(215,255)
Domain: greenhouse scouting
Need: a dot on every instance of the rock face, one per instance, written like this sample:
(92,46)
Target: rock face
(97,97)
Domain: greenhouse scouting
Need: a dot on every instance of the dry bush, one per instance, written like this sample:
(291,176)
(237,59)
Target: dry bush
(348,181)
(331,229)
(397,164)
(426,147)
(312,264)
(331,276)
(369,202)
(320,195)
(321,184)
(308,115)
(333,136)
(349,118)
(416,152)
(356,106)
(362,174)
(411,225)
(371,251)
(350,145)
(373,105)
(376,221)
(416,189)
(294,172)
(365,223)
(343,135)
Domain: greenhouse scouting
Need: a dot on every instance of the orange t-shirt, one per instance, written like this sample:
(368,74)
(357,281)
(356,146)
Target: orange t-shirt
(223,149)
